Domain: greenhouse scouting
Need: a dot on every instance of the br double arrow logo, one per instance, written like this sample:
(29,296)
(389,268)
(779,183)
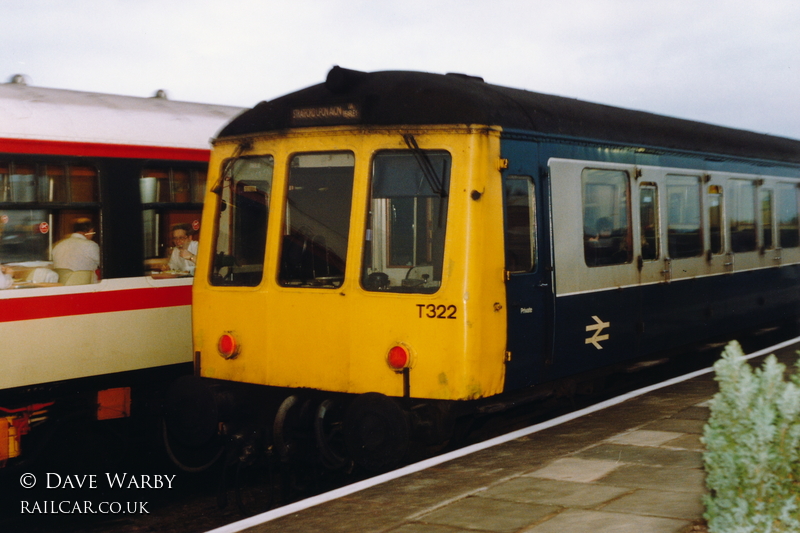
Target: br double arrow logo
(598,328)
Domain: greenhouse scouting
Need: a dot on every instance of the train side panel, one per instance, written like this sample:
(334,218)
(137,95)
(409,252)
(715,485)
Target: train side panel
(118,325)
(680,268)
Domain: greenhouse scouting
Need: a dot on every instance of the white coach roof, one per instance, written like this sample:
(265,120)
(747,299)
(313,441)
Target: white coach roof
(73,116)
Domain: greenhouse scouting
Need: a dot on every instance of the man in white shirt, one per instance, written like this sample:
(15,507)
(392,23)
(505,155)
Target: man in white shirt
(6,277)
(78,251)
(184,255)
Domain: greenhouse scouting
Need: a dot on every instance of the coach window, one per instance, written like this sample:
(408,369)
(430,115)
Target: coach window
(684,235)
(607,235)
(39,204)
(169,196)
(766,201)
(520,203)
(317,220)
(648,220)
(240,235)
(404,241)
(715,225)
(742,215)
(787,197)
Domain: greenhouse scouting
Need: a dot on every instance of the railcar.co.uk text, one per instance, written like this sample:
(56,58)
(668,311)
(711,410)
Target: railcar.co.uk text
(115,481)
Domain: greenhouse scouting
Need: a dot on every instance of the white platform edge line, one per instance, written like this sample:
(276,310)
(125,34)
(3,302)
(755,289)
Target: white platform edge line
(313,501)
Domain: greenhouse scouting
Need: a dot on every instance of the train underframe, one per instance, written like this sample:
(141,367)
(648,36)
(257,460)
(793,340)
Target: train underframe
(286,434)
(85,422)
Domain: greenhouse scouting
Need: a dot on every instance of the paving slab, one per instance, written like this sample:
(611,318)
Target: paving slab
(582,521)
(683,505)
(417,527)
(576,469)
(695,412)
(554,492)
(657,478)
(644,455)
(644,437)
(484,514)
(686,442)
(677,425)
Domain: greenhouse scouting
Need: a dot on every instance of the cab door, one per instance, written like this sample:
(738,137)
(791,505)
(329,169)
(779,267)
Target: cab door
(529,283)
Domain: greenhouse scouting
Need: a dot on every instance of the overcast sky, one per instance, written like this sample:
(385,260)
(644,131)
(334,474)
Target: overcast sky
(735,63)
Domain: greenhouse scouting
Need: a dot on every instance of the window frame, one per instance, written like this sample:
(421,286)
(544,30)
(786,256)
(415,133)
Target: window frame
(601,247)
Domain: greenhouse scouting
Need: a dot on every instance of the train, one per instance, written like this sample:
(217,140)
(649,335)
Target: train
(387,251)
(78,356)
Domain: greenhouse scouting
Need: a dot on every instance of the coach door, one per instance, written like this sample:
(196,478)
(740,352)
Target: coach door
(529,287)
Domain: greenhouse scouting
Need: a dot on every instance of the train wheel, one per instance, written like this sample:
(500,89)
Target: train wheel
(376,431)
(329,435)
(191,459)
(292,429)
(190,425)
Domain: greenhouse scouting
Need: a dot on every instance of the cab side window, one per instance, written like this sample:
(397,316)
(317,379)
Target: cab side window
(240,238)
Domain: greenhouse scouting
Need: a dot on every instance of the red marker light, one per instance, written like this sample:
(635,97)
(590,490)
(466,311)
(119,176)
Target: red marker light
(227,346)
(398,358)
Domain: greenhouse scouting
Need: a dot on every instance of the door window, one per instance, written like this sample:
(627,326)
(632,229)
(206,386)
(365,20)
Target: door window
(520,204)
(648,220)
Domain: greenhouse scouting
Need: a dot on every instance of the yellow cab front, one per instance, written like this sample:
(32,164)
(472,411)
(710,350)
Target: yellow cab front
(355,260)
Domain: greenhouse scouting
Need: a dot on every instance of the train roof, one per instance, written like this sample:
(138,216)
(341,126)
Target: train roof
(351,97)
(36,113)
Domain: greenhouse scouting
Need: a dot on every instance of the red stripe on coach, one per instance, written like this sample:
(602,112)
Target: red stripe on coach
(88,303)
(28,146)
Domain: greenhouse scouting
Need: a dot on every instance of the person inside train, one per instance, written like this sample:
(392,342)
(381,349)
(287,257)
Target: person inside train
(184,253)
(78,251)
(6,277)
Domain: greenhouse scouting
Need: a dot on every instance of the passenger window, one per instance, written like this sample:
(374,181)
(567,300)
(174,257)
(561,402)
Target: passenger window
(317,220)
(684,236)
(786,196)
(767,242)
(715,219)
(170,196)
(520,243)
(39,204)
(648,220)
(607,235)
(241,231)
(404,241)
(742,215)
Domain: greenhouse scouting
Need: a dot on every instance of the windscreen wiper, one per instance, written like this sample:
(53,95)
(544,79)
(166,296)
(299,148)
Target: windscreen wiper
(434,182)
(227,171)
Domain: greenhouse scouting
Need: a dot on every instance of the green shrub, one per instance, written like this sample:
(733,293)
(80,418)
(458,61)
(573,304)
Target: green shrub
(753,448)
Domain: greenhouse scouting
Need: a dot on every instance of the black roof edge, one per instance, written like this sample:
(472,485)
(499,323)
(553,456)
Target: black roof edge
(407,98)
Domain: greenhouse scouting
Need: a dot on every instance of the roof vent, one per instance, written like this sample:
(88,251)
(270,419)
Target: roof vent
(341,79)
(19,79)
(465,76)
(161,93)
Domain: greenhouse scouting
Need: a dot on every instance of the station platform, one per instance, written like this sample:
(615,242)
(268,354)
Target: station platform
(631,467)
